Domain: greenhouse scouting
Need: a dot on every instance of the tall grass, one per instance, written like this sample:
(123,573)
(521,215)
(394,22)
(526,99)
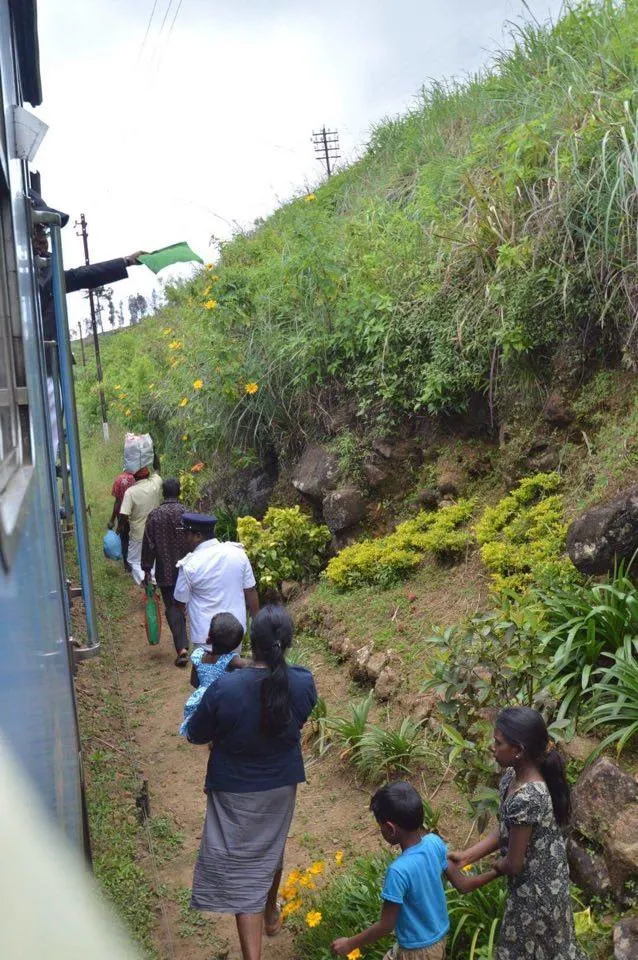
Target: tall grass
(489,229)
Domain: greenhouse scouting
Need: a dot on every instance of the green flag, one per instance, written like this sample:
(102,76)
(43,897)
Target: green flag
(176,253)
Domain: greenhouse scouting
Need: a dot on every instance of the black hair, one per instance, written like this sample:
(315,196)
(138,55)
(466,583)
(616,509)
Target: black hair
(270,637)
(399,803)
(171,488)
(526,728)
(225,632)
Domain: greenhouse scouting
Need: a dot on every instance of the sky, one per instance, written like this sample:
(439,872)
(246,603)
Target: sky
(180,120)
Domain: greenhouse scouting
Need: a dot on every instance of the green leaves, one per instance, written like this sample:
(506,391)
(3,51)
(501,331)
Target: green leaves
(616,698)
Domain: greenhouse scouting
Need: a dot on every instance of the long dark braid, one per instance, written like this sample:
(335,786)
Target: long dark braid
(270,637)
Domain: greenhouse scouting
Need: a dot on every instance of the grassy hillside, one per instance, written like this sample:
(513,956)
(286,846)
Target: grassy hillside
(484,245)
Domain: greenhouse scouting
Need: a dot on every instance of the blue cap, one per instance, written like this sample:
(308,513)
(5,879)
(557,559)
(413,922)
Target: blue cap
(198,522)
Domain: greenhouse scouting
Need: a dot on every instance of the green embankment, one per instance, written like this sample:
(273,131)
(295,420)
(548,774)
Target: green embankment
(483,241)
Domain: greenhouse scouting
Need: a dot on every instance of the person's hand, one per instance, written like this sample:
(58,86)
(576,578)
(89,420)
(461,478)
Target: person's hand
(132,258)
(341,946)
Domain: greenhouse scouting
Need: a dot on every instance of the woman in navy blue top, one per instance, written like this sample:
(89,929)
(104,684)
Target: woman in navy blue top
(254,718)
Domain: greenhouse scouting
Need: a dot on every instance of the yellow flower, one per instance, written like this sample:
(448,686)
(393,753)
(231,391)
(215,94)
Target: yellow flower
(121,396)
(185,437)
(198,384)
(175,345)
(467,868)
(293,877)
(209,266)
(354,954)
(289,891)
(183,401)
(313,918)
(168,331)
(210,304)
(306,881)
(290,907)
(117,386)
(310,198)
(251,387)
(214,278)
(316,868)
(339,858)
(127,413)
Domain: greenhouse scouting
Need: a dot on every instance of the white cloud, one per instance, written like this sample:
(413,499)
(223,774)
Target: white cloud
(210,126)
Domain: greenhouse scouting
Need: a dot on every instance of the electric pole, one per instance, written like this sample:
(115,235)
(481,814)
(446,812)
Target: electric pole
(82,344)
(326,144)
(96,343)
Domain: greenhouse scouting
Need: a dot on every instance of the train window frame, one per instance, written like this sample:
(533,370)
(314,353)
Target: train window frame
(16,458)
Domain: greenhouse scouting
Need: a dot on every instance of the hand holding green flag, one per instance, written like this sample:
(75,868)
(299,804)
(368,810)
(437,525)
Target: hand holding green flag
(166,256)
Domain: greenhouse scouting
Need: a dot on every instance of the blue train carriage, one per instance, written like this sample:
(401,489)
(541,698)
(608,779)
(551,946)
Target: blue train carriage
(38,717)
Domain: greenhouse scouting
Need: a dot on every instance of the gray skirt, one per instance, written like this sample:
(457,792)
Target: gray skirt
(242,848)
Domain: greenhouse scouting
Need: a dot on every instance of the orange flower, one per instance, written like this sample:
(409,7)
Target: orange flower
(339,857)
(197,467)
(251,387)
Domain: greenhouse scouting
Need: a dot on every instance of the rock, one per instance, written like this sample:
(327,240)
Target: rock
(449,483)
(605,534)
(504,434)
(605,811)
(289,590)
(556,411)
(374,474)
(343,508)
(359,663)
(316,473)
(542,457)
(425,705)
(626,938)
(383,448)
(389,683)
(258,491)
(601,791)
(588,869)
(428,498)
(376,664)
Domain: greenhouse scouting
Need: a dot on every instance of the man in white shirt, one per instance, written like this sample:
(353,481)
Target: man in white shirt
(137,503)
(213,578)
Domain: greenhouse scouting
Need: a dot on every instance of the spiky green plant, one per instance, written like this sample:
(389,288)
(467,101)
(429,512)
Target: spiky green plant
(616,698)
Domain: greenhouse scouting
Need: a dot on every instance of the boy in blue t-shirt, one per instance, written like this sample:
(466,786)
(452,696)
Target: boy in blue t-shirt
(414,904)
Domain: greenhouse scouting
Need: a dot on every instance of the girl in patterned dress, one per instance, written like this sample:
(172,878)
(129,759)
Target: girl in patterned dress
(210,661)
(538,923)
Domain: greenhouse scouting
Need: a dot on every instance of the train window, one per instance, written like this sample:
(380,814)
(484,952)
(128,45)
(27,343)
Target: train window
(15,426)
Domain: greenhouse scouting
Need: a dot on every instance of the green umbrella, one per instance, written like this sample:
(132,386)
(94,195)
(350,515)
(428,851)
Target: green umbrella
(176,253)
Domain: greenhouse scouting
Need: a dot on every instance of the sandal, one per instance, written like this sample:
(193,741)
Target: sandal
(182,659)
(273,929)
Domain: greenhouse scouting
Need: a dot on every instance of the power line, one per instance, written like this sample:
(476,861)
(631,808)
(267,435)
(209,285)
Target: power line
(148,27)
(326,144)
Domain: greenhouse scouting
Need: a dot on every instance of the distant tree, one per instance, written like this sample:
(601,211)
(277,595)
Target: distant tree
(133,309)
(142,306)
(120,313)
(154,301)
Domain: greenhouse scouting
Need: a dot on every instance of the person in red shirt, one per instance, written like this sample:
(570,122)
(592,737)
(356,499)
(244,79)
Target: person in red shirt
(120,485)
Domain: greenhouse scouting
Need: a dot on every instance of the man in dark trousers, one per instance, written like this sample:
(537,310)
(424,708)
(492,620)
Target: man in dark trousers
(81,278)
(163,545)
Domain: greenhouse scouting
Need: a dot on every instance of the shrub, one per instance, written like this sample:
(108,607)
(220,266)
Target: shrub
(616,698)
(522,538)
(388,559)
(586,623)
(286,545)
(475,920)
(348,731)
(389,753)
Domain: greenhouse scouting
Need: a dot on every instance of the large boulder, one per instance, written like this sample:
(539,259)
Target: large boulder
(343,508)
(626,938)
(316,473)
(605,817)
(557,411)
(588,869)
(604,534)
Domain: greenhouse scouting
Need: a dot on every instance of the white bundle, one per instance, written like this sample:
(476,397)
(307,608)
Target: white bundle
(138,452)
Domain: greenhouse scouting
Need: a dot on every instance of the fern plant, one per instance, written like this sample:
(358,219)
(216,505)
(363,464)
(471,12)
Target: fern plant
(616,698)
(348,731)
(387,753)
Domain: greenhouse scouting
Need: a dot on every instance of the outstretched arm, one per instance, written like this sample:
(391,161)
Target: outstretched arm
(385,925)
(483,848)
(466,882)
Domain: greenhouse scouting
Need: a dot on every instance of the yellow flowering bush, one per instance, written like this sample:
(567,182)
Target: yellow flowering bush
(386,560)
(285,545)
(522,538)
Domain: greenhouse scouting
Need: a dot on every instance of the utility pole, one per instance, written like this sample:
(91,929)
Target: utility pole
(82,344)
(96,343)
(326,144)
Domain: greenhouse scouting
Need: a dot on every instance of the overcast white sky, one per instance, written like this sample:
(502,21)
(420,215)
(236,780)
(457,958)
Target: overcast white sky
(205,121)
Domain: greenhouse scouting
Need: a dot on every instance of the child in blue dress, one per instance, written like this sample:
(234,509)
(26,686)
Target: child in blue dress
(212,660)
